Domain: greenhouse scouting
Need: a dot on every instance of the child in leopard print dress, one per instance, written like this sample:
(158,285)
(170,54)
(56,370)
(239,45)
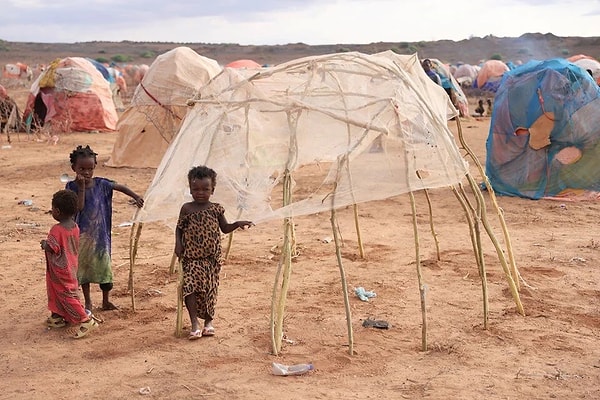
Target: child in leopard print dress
(198,246)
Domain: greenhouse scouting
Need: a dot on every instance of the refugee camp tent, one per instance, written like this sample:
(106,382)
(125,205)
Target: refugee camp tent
(248,64)
(71,95)
(326,109)
(370,129)
(158,107)
(591,65)
(490,74)
(451,85)
(10,120)
(466,74)
(579,57)
(17,71)
(544,138)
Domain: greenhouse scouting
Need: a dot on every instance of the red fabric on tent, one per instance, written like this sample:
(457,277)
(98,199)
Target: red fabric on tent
(250,64)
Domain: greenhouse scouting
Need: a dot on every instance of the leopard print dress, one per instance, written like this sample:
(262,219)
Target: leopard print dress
(201,260)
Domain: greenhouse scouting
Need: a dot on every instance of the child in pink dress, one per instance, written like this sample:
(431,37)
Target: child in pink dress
(61,248)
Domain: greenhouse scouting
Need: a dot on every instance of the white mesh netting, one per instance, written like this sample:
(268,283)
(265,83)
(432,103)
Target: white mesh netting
(374,124)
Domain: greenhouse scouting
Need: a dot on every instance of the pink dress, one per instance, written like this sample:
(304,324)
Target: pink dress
(61,273)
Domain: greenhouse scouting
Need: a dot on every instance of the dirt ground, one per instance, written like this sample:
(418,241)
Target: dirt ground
(552,352)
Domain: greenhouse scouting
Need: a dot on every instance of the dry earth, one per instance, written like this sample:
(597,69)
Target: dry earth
(551,352)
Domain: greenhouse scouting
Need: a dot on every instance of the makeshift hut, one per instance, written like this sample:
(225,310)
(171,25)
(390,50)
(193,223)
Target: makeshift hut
(375,128)
(452,87)
(71,95)
(158,107)
(244,64)
(544,137)
(10,116)
(466,74)
(591,66)
(17,71)
(490,74)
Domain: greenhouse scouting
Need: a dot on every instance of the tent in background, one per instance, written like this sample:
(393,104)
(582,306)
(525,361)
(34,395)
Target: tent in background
(466,74)
(490,74)
(248,64)
(591,65)
(544,137)
(452,87)
(71,95)
(158,107)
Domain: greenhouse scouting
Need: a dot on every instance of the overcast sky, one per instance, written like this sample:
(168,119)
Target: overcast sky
(268,22)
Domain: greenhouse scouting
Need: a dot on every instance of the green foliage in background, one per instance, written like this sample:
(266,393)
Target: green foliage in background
(121,58)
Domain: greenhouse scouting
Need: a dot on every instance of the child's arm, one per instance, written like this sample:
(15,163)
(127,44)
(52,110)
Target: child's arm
(139,201)
(179,232)
(226,227)
(178,242)
(79,189)
(50,245)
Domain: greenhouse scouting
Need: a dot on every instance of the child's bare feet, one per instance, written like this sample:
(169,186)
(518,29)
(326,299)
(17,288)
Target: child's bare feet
(108,306)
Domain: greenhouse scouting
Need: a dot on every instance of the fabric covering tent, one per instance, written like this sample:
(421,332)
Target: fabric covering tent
(72,95)
(450,83)
(544,137)
(248,64)
(490,74)
(158,107)
(466,74)
(590,64)
(376,130)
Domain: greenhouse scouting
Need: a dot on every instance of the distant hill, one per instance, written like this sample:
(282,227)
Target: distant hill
(524,48)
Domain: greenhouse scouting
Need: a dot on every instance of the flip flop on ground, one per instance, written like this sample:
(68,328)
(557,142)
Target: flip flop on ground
(208,331)
(197,334)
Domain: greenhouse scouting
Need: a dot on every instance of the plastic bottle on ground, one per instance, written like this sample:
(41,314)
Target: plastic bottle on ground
(286,370)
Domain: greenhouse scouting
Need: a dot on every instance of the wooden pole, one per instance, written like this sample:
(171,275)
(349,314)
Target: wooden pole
(361,247)
(172,264)
(422,289)
(511,282)
(478,253)
(431,226)
(136,231)
(284,270)
(179,317)
(338,254)
(513,271)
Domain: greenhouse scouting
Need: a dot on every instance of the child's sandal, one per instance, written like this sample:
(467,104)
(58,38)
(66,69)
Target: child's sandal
(55,322)
(85,327)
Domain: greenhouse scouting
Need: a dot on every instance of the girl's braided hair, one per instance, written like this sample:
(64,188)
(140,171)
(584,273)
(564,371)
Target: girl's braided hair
(82,152)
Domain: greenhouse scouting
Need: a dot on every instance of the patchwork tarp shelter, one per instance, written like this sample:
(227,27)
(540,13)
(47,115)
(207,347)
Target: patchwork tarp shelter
(17,71)
(247,64)
(590,64)
(158,107)
(466,74)
(451,85)
(544,137)
(71,95)
(490,74)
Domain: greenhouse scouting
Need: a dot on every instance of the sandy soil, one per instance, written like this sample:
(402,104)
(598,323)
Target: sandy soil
(552,352)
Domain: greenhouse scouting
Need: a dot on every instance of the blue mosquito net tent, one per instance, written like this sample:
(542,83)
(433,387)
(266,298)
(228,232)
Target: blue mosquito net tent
(544,137)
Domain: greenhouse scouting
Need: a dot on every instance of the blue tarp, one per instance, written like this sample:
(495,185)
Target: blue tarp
(569,99)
